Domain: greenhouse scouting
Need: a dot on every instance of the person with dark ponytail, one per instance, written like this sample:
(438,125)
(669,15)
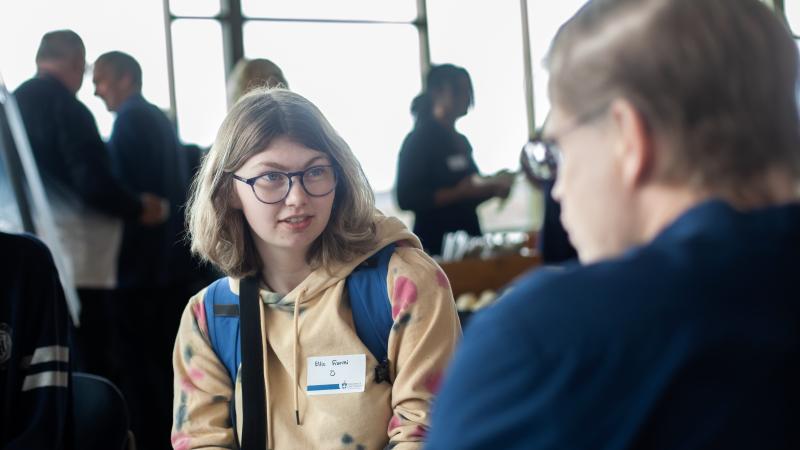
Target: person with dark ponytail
(437,177)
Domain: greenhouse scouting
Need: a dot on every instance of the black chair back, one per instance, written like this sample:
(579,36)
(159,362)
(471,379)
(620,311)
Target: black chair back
(100,414)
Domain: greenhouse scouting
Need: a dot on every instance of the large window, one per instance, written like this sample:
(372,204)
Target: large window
(377,10)
(197,8)
(133,27)
(544,22)
(362,77)
(791,10)
(487,41)
(199,79)
(360,61)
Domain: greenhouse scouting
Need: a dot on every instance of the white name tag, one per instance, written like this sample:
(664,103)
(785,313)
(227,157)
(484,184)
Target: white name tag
(342,374)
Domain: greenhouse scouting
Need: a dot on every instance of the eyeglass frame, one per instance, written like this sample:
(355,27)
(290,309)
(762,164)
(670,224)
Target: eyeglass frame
(551,145)
(290,175)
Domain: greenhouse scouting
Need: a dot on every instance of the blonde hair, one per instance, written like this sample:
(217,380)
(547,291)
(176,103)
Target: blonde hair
(218,232)
(248,74)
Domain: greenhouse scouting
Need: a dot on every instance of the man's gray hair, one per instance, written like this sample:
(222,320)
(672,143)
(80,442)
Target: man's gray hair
(60,45)
(716,79)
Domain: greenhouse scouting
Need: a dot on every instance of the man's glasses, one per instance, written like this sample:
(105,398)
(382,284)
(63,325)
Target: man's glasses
(274,187)
(541,157)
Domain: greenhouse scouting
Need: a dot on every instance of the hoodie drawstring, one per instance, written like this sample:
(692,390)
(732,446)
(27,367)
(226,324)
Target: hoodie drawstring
(295,321)
(270,430)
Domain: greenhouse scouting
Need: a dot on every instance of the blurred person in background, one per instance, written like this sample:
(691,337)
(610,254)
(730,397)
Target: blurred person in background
(88,201)
(155,271)
(676,137)
(437,178)
(249,74)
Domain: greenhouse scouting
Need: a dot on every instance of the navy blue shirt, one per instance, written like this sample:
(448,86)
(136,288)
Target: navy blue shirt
(147,157)
(691,341)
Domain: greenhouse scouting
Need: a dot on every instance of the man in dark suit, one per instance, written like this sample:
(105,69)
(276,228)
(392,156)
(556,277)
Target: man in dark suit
(155,267)
(147,157)
(675,129)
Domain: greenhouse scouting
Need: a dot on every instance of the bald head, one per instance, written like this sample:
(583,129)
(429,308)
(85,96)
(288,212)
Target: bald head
(62,55)
(60,45)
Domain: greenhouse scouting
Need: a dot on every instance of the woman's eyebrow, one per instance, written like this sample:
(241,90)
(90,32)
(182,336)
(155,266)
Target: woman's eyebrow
(315,159)
(278,166)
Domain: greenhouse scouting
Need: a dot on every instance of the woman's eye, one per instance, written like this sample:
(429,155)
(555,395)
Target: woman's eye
(316,171)
(273,177)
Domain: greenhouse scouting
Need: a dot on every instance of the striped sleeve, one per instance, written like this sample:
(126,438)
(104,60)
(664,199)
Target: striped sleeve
(46,367)
(37,367)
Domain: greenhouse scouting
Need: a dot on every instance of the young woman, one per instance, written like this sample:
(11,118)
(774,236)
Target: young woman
(437,178)
(282,197)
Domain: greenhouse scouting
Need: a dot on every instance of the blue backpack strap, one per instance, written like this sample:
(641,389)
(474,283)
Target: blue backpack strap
(222,313)
(369,300)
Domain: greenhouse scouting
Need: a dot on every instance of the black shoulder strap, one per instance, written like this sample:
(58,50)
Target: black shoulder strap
(254,432)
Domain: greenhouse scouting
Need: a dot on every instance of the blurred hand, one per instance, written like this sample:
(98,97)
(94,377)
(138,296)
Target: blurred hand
(155,210)
(502,191)
(476,187)
(502,182)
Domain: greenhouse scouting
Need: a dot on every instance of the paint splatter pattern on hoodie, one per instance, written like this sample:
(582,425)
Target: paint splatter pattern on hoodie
(385,415)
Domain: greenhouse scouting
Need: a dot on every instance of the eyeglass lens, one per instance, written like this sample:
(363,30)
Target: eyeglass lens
(542,160)
(273,187)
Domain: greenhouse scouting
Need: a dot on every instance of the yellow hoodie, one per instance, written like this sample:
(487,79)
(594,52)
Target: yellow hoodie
(421,343)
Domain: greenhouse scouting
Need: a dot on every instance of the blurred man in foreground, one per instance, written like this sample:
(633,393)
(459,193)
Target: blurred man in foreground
(675,127)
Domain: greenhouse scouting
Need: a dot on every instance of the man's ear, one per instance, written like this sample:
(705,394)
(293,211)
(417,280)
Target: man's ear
(635,151)
(126,82)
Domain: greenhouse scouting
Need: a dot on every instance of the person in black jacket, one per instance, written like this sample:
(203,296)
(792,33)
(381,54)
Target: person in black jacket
(437,178)
(86,198)
(34,349)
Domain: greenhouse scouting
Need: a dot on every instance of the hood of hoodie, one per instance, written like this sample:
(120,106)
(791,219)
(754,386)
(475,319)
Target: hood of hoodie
(388,230)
